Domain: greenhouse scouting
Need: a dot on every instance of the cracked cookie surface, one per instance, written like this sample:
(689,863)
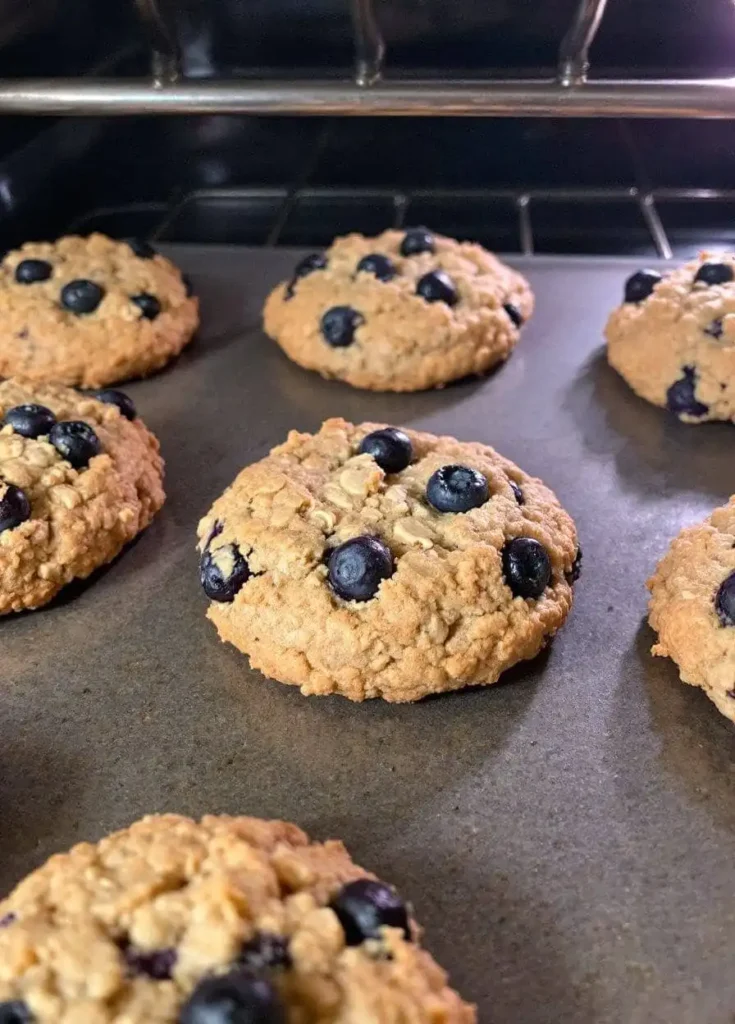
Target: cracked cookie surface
(692,606)
(338,576)
(673,338)
(392,314)
(155,923)
(70,497)
(89,311)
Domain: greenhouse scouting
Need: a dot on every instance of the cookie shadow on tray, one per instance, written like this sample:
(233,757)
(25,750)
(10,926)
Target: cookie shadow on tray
(692,741)
(654,453)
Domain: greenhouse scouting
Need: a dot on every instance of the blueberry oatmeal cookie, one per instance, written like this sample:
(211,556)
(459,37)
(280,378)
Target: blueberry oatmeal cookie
(376,562)
(405,311)
(692,606)
(80,476)
(91,311)
(673,338)
(221,921)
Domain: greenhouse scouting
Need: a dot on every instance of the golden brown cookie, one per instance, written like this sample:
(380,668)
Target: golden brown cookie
(401,312)
(692,606)
(673,338)
(171,921)
(91,311)
(376,562)
(79,478)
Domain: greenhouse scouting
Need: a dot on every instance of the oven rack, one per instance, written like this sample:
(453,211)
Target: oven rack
(369,93)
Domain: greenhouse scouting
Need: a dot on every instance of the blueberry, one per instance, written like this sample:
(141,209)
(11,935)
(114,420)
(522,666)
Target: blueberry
(640,285)
(14,507)
(526,567)
(714,329)
(75,441)
(338,325)
(148,304)
(158,964)
(234,998)
(517,492)
(31,271)
(379,265)
(576,570)
(314,261)
(725,601)
(81,296)
(514,313)
(264,952)
(457,489)
(714,273)
(390,448)
(437,286)
(364,907)
(30,420)
(417,240)
(188,285)
(224,578)
(142,248)
(357,567)
(15,1012)
(111,396)
(680,398)
(7,919)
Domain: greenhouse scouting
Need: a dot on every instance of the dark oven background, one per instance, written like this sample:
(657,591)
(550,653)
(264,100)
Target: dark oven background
(518,184)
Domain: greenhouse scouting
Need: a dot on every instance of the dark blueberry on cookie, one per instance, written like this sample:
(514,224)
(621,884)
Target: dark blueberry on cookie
(264,952)
(725,601)
(514,314)
(437,286)
(364,907)
(148,304)
(158,964)
(714,273)
(680,398)
(526,567)
(14,507)
(31,271)
(81,296)
(457,489)
(111,396)
(234,998)
(223,573)
(390,448)
(357,568)
(7,919)
(714,329)
(15,1012)
(640,285)
(75,441)
(30,420)
(378,265)
(517,492)
(314,261)
(417,240)
(338,325)
(142,248)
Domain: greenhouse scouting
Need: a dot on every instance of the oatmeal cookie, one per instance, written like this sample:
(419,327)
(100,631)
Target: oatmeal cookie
(405,311)
(377,562)
(91,311)
(174,921)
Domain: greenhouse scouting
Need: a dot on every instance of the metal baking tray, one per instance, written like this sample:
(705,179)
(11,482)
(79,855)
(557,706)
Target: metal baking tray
(567,836)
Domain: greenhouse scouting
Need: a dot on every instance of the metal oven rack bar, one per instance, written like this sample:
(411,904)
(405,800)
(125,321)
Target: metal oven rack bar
(570,94)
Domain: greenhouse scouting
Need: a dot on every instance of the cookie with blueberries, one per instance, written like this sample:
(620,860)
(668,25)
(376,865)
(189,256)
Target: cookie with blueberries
(404,311)
(673,338)
(226,920)
(91,311)
(80,476)
(374,561)
(692,606)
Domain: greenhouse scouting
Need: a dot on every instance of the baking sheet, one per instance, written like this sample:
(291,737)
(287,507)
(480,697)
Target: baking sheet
(567,837)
